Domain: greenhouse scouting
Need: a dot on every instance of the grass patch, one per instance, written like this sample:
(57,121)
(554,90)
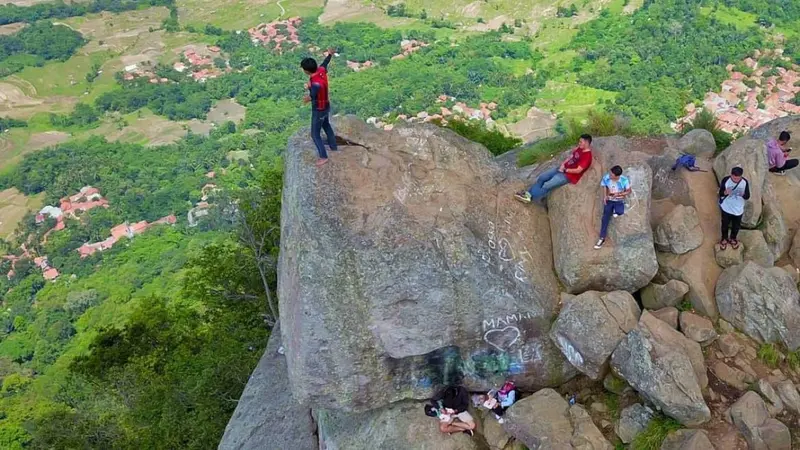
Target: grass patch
(495,141)
(685,305)
(655,433)
(612,403)
(731,16)
(793,359)
(598,123)
(571,100)
(769,355)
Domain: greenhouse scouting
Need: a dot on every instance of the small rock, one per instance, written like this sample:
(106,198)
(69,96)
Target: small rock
(698,329)
(793,272)
(788,394)
(605,424)
(729,257)
(599,407)
(712,395)
(668,315)
(657,296)
(775,405)
(687,440)
(729,345)
(750,374)
(679,232)
(756,248)
(729,375)
(585,435)
(632,421)
(777,372)
(493,432)
(725,326)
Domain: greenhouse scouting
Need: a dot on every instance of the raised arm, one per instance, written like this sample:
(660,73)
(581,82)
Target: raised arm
(327,59)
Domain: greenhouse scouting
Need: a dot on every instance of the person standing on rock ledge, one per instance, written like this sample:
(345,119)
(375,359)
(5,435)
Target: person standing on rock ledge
(320,105)
(615,188)
(777,152)
(570,171)
(734,190)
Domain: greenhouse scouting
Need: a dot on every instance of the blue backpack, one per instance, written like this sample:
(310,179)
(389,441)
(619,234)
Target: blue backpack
(687,161)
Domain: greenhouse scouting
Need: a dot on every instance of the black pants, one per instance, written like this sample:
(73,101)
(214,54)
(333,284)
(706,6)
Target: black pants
(789,164)
(732,222)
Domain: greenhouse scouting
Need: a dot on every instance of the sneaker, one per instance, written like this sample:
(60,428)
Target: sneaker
(469,432)
(734,244)
(524,197)
(599,243)
(500,420)
(616,215)
(780,174)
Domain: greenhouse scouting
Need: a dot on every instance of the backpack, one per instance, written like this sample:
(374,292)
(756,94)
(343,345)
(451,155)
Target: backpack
(687,161)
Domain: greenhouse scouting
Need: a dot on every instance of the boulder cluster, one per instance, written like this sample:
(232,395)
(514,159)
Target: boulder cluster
(406,265)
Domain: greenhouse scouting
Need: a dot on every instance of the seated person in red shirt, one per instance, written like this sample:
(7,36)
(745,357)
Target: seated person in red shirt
(570,171)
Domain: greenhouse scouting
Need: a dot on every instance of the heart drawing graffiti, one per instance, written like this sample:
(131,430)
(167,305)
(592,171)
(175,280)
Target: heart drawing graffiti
(502,339)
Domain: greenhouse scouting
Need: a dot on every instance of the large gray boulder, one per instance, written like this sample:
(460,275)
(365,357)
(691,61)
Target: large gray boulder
(398,426)
(657,296)
(632,421)
(267,417)
(687,440)
(546,421)
(750,416)
(756,248)
(698,142)
(679,232)
(627,262)
(794,253)
(406,264)
(751,155)
(588,330)
(666,368)
(762,303)
(774,224)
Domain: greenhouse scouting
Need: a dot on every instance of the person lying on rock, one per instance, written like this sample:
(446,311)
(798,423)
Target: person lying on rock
(734,190)
(498,401)
(777,152)
(570,171)
(320,105)
(615,188)
(450,406)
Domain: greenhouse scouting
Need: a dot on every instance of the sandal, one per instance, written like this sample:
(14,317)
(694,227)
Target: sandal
(723,244)
(734,244)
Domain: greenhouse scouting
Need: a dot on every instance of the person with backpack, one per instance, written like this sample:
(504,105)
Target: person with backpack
(777,152)
(615,188)
(734,191)
(320,105)
(450,406)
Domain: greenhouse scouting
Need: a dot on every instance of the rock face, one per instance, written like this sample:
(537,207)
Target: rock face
(750,416)
(401,425)
(771,398)
(406,264)
(698,329)
(751,155)
(698,143)
(729,257)
(679,232)
(756,248)
(788,395)
(775,226)
(657,296)
(666,368)
(763,303)
(668,315)
(632,421)
(627,262)
(587,330)
(794,253)
(546,421)
(267,416)
(687,440)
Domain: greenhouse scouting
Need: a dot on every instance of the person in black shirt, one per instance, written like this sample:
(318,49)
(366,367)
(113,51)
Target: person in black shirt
(453,402)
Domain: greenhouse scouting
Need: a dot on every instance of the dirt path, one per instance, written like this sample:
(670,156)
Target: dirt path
(283,11)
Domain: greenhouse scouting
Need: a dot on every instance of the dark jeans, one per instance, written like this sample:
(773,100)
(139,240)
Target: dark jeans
(319,122)
(546,182)
(789,164)
(611,207)
(732,222)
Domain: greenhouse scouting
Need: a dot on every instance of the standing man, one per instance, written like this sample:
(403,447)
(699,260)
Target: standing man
(615,188)
(734,190)
(777,152)
(320,105)
(570,171)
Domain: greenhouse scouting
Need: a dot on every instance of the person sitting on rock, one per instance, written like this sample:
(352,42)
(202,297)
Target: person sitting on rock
(734,190)
(615,188)
(570,171)
(320,106)
(777,152)
(450,406)
(498,401)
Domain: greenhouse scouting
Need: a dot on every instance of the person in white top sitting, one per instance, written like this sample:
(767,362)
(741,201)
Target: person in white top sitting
(734,190)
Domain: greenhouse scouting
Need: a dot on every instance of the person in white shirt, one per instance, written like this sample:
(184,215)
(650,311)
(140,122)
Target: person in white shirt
(734,190)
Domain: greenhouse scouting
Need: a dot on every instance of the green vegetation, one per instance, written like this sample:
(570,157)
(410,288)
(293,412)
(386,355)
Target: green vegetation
(770,355)
(7,123)
(793,359)
(655,433)
(10,13)
(82,116)
(705,120)
(495,141)
(35,44)
(685,305)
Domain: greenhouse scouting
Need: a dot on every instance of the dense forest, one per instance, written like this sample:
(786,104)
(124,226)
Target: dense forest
(35,44)
(10,13)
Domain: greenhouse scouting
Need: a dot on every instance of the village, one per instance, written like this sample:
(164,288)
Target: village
(748,101)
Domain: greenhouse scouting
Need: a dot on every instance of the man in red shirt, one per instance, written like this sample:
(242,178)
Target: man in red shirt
(320,105)
(570,171)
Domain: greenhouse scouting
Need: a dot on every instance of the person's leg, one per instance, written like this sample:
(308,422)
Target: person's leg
(557,180)
(316,134)
(619,208)
(543,178)
(736,223)
(608,209)
(790,164)
(329,133)
(726,224)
